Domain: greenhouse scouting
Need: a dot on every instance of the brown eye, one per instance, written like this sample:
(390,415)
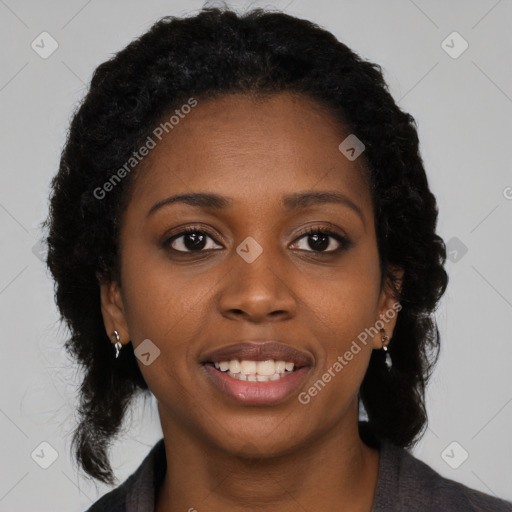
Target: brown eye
(190,240)
(324,241)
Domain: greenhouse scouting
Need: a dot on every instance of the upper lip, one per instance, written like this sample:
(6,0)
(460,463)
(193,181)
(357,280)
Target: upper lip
(259,351)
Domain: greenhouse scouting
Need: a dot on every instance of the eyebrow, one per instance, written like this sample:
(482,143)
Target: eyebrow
(291,202)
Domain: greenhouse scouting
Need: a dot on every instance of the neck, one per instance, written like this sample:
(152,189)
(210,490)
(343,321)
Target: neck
(336,472)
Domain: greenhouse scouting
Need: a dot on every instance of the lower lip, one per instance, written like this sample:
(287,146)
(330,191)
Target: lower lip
(257,393)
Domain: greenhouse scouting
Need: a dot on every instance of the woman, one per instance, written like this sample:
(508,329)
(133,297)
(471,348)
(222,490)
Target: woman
(241,225)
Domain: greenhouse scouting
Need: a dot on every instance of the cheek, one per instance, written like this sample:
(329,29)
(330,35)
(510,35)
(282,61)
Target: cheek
(344,308)
(163,309)
(347,310)
(159,297)
(170,305)
(346,303)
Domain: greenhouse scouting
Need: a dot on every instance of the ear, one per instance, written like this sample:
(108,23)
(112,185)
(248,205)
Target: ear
(389,306)
(112,310)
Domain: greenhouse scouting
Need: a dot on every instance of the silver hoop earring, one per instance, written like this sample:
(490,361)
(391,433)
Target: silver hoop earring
(118,346)
(385,343)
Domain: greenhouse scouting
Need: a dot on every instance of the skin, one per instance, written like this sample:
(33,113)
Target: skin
(222,455)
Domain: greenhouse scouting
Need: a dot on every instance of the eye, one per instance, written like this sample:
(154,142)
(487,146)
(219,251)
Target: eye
(191,239)
(321,241)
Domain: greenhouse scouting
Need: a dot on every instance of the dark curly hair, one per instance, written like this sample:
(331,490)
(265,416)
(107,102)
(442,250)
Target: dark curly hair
(215,52)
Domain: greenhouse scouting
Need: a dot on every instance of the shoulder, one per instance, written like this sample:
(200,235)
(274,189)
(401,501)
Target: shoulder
(419,488)
(137,492)
(114,501)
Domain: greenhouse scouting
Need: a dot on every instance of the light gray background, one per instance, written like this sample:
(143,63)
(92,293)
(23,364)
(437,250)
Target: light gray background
(463,107)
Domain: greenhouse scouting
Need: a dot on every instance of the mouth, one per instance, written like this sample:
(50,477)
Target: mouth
(257,373)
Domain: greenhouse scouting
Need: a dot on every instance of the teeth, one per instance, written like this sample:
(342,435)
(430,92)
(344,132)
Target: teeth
(280,366)
(234,366)
(248,367)
(254,377)
(266,367)
(255,371)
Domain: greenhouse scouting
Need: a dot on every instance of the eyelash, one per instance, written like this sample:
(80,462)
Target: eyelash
(343,241)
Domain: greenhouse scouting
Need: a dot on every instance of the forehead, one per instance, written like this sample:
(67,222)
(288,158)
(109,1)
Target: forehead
(254,149)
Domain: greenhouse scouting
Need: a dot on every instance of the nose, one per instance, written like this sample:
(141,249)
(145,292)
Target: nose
(257,291)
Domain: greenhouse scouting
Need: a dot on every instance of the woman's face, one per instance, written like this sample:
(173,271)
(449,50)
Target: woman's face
(248,272)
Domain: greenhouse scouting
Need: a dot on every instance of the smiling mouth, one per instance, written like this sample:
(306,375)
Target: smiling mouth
(255,371)
(249,387)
